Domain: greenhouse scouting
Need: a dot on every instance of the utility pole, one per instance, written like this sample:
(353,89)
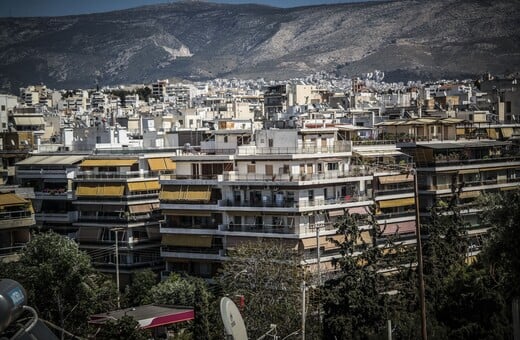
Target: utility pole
(318,253)
(303,307)
(115,230)
(424,335)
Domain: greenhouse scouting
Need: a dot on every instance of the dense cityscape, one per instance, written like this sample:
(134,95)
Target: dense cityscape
(323,207)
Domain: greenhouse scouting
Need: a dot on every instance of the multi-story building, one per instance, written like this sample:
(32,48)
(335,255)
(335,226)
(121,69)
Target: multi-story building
(52,178)
(275,101)
(461,171)
(291,186)
(117,198)
(16,220)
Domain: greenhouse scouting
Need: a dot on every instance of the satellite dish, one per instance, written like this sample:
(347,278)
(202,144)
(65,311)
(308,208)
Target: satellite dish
(233,322)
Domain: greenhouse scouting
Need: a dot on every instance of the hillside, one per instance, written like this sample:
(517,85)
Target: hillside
(406,39)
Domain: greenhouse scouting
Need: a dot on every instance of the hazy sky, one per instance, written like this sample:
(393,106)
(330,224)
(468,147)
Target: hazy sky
(23,8)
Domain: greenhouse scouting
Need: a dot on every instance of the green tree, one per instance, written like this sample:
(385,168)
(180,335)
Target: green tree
(359,301)
(502,250)
(61,282)
(193,292)
(139,288)
(269,276)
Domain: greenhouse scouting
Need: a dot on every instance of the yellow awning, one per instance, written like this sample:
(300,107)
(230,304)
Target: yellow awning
(185,193)
(325,242)
(468,171)
(137,186)
(111,190)
(153,185)
(395,179)
(140,208)
(107,162)
(143,186)
(11,199)
(161,164)
(397,203)
(492,133)
(364,237)
(187,240)
(507,132)
(85,189)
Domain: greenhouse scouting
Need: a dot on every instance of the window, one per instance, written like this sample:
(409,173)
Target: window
(269,169)
(3,107)
(508,107)
(310,195)
(225,139)
(271,142)
(332,166)
(251,168)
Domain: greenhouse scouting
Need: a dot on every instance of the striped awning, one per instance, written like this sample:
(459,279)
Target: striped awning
(400,228)
(107,162)
(109,190)
(401,202)
(185,193)
(161,164)
(395,179)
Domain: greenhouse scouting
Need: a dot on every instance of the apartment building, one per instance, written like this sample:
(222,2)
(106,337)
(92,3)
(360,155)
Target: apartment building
(462,171)
(16,220)
(291,186)
(52,178)
(117,198)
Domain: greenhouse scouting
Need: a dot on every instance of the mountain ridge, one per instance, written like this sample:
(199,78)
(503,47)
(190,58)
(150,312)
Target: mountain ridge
(197,41)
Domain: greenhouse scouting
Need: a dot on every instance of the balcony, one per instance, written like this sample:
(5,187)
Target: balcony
(55,217)
(283,202)
(258,228)
(442,160)
(201,253)
(339,147)
(16,219)
(113,175)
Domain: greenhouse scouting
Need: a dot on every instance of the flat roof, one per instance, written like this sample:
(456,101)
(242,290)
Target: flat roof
(148,316)
(455,145)
(52,160)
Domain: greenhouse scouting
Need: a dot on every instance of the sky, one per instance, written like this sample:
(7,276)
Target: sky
(27,8)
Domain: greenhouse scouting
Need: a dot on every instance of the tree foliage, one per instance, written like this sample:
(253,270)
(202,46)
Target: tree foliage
(124,328)
(189,291)
(502,251)
(139,289)
(269,276)
(61,283)
(359,301)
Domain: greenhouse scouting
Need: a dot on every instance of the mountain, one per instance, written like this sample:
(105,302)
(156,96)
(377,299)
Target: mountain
(198,40)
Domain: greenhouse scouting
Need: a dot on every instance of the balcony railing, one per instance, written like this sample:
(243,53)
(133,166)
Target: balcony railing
(113,174)
(344,147)
(284,203)
(461,160)
(259,228)
(13,215)
(195,250)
